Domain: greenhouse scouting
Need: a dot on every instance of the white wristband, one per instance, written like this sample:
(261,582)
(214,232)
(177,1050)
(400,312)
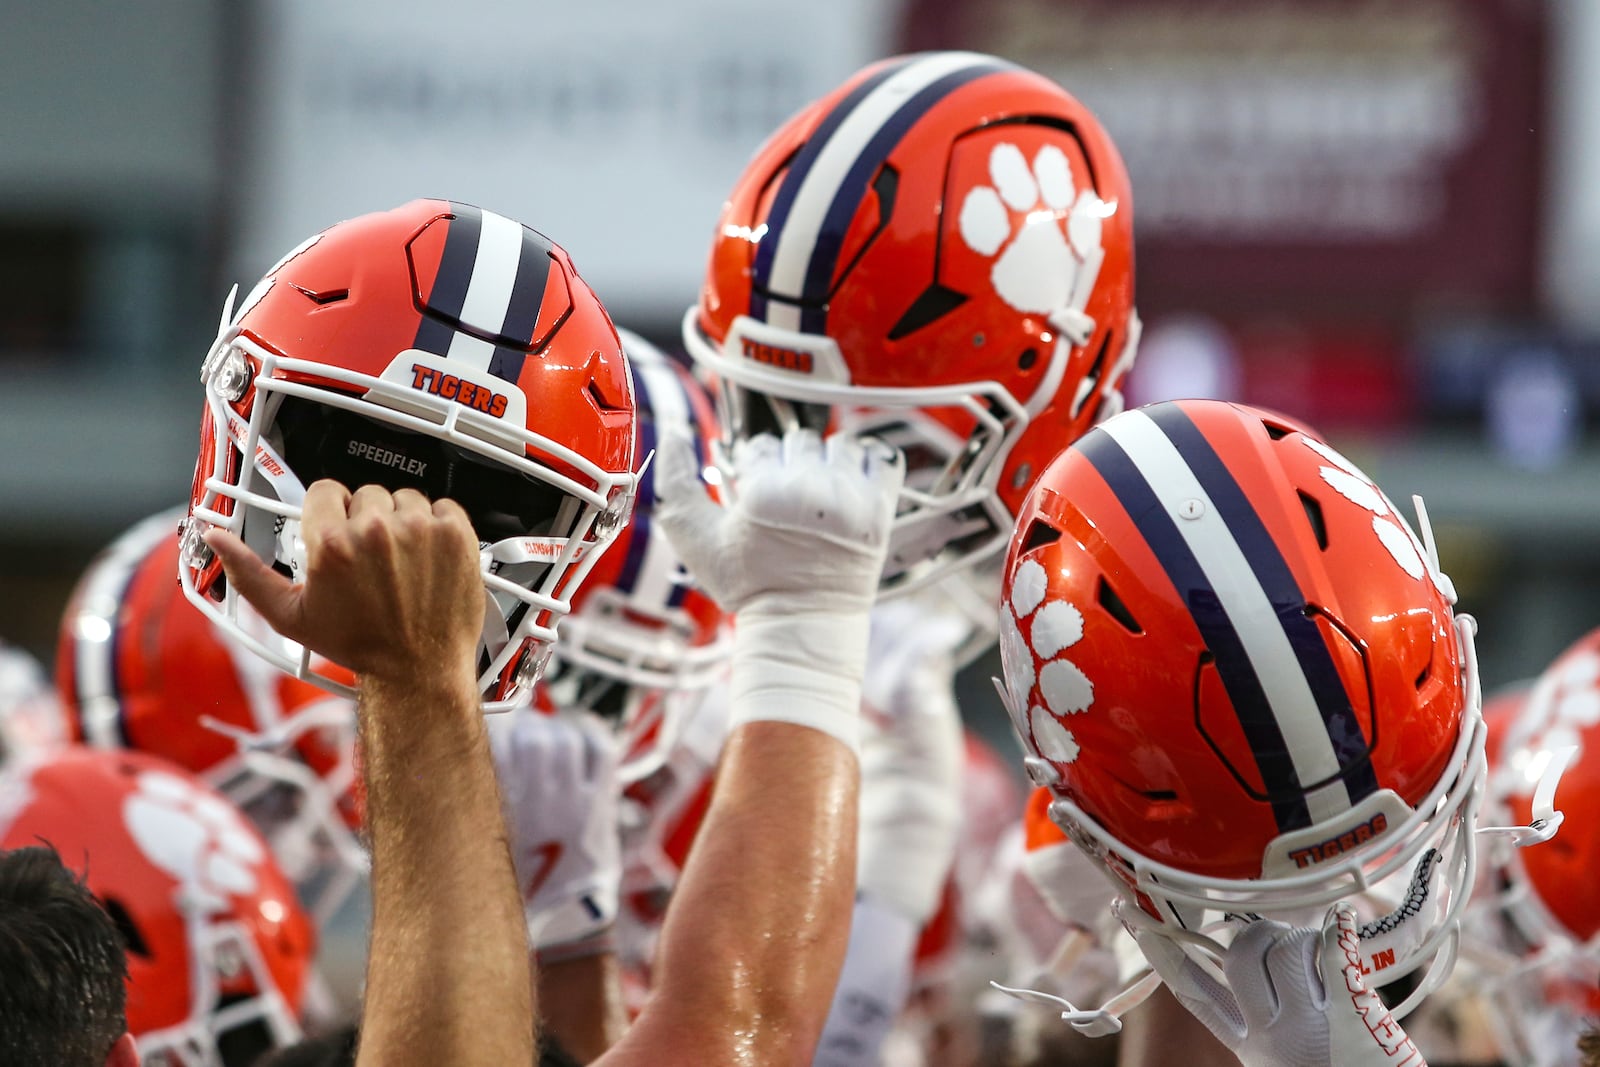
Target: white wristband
(799,666)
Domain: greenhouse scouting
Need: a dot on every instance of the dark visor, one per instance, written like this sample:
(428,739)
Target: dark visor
(327,442)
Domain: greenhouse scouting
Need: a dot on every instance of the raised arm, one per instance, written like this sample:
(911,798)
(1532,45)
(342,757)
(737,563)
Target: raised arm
(392,591)
(753,943)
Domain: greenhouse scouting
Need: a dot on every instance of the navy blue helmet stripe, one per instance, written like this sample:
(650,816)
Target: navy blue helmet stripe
(1283,591)
(522,310)
(449,292)
(795,176)
(858,180)
(1273,759)
(507,362)
(527,293)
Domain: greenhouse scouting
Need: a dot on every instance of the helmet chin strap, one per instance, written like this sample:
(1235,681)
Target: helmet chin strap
(1548,766)
(1097,1022)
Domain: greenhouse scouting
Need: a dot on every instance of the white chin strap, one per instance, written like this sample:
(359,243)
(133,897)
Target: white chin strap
(1545,819)
(1098,1022)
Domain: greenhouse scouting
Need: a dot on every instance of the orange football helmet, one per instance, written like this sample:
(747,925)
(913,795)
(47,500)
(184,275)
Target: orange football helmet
(439,347)
(1239,674)
(938,253)
(139,667)
(642,639)
(219,952)
(1538,941)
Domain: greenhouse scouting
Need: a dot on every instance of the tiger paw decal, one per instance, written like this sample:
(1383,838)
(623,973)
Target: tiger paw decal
(1393,532)
(1018,219)
(1033,636)
(198,839)
(1563,706)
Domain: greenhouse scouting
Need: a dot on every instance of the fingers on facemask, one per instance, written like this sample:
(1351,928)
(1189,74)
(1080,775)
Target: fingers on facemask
(1260,971)
(802,447)
(1205,998)
(1294,959)
(845,453)
(758,453)
(1341,946)
(885,466)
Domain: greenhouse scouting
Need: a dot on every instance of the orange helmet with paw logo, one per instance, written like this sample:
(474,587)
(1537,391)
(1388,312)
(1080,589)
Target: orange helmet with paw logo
(139,667)
(438,347)
(219,952)
(938,253)
(1540,935)
(1239,673)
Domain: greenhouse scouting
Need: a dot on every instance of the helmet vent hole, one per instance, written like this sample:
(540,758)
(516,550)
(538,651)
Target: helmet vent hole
(326,297)
(1091,381)
(1114,606)
(599,398)
(1427,672)
(1040,535)
(1319,527)
(1029,357)
(1099,365)
(1276,431)
(935,302)
(124,923)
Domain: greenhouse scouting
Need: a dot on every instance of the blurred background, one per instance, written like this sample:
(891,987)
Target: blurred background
(1381,216)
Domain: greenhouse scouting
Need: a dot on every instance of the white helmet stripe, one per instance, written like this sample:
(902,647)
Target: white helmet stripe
(95,624)
(799,227)
(1243,599)
(660,390)
(494,272)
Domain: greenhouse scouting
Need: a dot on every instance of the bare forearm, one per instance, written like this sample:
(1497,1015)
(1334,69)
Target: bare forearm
(447,974)
(756,936)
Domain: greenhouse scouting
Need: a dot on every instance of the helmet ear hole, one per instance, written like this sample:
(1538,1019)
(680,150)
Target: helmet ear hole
(1108,599)
(1426,673)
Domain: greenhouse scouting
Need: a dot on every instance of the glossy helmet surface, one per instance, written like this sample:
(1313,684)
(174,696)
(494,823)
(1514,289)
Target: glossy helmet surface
(32,721)
(1239,674)
(140,667)
(938,253)
(1546,922)
(642,638)
(219,952)
(438,347)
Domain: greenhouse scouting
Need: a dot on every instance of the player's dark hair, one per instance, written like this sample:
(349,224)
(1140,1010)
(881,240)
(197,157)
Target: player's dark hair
(63,971)
(1589,1045)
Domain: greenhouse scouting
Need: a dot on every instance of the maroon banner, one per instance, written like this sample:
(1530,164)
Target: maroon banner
(1336,161)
